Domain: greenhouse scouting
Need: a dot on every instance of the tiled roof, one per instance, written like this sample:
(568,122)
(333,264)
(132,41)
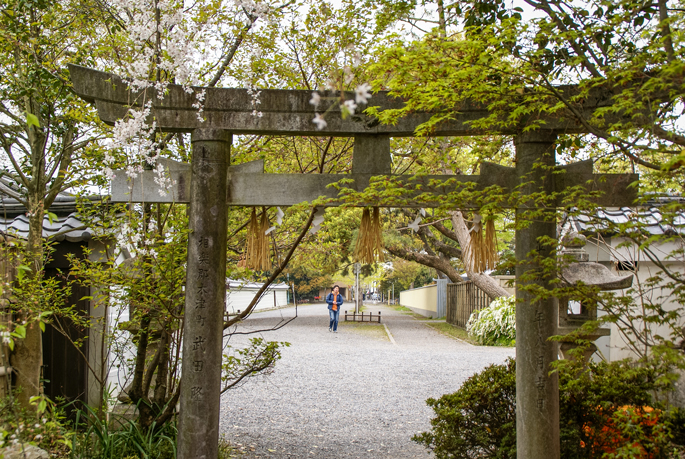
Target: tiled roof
(649,218)
(68,228)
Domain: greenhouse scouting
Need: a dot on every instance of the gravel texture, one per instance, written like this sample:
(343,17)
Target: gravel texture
(346,395)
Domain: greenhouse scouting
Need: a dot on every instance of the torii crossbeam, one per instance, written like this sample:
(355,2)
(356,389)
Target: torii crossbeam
(209,185)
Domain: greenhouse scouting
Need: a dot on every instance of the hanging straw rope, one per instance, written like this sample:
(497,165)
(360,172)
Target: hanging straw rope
(481,252)
(490,244)
(257,250)
(369,245)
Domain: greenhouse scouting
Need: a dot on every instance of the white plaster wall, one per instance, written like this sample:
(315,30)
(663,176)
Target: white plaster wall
(239,299)
(615,347)
(122,351)
(422,300)
(507,282)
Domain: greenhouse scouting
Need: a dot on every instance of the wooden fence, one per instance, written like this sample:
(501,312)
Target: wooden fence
(462,300)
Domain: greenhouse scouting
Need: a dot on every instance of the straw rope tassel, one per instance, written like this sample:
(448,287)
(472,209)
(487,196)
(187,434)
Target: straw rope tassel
(257,250)
(481,252)
(370,239)
(377,234)
(264,243)
(490,245)
(251,246)
(474,255)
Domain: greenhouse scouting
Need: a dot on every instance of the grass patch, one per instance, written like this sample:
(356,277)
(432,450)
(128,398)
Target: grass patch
(452,331)
(370,329)
(409,312)
(400,308)
(227,450)
(422,317)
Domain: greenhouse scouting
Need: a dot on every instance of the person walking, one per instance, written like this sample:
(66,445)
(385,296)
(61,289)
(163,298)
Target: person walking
(334,300)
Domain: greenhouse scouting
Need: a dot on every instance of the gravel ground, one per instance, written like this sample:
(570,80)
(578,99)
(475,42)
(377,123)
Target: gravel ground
(346,395)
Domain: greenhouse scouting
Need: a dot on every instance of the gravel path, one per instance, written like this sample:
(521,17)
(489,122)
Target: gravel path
(346,395)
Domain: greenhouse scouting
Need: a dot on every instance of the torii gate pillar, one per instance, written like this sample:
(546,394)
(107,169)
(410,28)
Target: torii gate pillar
(205,296)
(537,392)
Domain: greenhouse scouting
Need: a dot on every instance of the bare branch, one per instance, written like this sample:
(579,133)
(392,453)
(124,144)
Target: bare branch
(231,52)
(433,261)
(273,276)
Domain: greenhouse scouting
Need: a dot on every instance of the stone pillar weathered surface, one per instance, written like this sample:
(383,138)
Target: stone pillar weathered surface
(371,155)
(198,434)
(537,392)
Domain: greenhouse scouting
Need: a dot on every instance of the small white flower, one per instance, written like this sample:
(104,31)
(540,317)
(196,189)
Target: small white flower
(349,76)
(357,59)
(5,337)
(316,98)
(319,121)
(362,94)
(349,105)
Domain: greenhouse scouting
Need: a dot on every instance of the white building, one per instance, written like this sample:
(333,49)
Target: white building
(239,294)
(650,285)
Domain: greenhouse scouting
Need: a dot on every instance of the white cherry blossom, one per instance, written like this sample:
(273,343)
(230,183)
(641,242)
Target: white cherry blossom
(362,94)
(320,121)
(348,106)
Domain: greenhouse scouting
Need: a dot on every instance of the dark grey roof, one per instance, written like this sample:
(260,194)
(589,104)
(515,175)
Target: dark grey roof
(68,228)
(63,205)
(649,218)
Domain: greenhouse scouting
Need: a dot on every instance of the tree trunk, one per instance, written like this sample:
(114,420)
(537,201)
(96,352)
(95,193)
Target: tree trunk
(432,261)
(27,358)
(482,280)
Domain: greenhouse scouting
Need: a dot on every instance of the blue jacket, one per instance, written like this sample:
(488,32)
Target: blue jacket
(329,300)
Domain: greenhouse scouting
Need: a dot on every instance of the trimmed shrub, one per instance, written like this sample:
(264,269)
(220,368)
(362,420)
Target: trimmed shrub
(604,412)
(479,420)
(496,324)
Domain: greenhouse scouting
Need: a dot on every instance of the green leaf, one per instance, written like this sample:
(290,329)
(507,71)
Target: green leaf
(19,332)
(22,270)
(32,120)
(51,217)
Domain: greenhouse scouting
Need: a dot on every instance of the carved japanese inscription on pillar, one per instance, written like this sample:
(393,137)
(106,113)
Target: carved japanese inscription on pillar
(205,297)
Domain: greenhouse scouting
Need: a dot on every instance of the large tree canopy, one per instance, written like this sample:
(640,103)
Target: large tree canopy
(628,53)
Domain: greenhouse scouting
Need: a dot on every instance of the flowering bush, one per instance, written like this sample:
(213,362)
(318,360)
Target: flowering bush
(630,432)
(602,408)
(496,324)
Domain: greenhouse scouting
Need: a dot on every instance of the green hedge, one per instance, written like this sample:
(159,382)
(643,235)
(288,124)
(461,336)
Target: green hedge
(479,420)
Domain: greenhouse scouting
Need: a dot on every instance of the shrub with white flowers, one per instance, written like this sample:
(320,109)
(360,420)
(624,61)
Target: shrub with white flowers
(496,324)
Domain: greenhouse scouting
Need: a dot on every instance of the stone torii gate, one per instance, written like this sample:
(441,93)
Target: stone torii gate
(209,185)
